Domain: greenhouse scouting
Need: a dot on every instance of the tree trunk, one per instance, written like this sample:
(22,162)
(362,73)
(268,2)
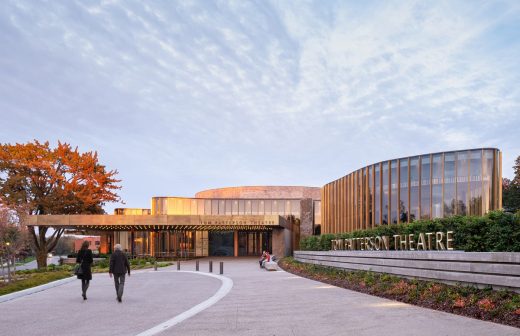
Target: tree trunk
(8,269)
(41,257)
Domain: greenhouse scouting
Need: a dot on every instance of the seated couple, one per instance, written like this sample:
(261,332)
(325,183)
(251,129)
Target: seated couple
(266,257)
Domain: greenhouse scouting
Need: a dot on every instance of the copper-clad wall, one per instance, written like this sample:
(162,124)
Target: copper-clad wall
(465,182)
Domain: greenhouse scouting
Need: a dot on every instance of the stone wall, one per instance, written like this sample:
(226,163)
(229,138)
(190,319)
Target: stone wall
(496,269)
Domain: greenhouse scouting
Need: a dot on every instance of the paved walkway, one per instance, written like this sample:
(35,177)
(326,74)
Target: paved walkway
(260,303)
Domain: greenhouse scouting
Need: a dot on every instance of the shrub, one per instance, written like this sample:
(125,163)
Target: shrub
(497,231)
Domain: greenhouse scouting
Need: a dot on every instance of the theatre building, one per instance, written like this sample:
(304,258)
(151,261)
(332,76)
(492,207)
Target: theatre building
(428,186)
(244,221)
(236,221)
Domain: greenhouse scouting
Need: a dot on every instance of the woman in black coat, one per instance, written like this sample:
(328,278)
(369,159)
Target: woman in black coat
(85,260)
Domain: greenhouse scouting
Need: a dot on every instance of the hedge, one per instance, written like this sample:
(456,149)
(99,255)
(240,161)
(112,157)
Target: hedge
(497,231)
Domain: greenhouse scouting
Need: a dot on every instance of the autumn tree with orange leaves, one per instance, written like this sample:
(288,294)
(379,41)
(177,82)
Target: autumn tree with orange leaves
(57,181)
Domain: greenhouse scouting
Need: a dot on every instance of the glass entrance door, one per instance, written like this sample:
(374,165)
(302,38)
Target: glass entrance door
(253,243)
(221,243)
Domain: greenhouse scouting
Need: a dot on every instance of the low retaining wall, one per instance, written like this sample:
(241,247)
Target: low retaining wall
(496,269)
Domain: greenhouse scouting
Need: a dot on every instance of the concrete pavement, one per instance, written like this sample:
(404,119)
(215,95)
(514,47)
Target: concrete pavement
(279,303)
(259,303)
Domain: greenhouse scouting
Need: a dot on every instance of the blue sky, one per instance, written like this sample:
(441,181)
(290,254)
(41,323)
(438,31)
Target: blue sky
(185,96)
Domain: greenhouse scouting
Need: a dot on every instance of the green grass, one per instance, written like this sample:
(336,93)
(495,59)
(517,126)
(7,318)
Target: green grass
(25,261)
(36,277)
(32,279)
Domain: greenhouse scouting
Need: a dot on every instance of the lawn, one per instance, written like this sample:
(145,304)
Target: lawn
(32,278)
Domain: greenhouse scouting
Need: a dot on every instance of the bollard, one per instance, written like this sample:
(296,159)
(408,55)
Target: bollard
(155,265)
(221,267)
(197,265)
(178,265)
(211,266)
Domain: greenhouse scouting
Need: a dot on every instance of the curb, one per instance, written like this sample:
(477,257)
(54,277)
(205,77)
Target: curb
(32,290)
(225,288)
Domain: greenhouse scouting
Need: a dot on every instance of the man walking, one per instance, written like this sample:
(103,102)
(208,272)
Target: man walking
(119,265)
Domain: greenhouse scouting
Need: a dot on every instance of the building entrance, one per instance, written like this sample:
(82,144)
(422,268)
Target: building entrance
(253,243)
(221,243)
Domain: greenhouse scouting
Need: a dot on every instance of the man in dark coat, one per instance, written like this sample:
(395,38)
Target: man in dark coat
(119,266)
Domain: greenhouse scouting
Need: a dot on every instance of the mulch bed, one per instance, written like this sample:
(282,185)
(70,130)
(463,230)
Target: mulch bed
(484,304)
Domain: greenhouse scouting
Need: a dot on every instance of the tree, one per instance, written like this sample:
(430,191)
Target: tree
(13,235)
(54,181)
(511,190)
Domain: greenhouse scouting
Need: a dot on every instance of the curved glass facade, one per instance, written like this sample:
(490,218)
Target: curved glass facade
(465,182)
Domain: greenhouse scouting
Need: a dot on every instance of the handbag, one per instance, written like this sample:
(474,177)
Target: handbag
(78,270)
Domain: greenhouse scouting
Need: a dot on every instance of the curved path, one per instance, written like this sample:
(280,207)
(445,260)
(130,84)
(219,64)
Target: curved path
(280,303)
(150,299)
(259,303)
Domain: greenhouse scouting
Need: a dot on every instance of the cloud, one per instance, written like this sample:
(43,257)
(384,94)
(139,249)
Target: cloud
(184,96)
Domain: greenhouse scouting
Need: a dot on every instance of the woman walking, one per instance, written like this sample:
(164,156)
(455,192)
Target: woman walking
(85,260)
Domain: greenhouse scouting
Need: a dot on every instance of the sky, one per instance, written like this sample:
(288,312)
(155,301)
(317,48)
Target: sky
(183,96)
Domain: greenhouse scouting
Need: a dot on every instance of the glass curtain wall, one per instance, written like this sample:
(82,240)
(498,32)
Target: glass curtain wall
(414,188)
(394,205)
(449,184)
(385,194)
(403,191)
(425,187)
(437,186)
(399,191)
(377,202)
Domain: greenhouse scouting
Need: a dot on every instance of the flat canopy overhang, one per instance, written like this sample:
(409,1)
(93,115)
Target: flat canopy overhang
(158,222)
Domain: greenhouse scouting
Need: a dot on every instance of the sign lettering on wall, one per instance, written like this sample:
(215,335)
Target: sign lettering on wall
(406,242)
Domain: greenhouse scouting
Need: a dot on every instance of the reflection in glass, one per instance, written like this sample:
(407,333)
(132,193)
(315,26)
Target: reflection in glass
(386,191)
(462,183)
(475,182)
(403,191)
(274,209)
(207,207)
(228,207)
(437,186)
(248,207)
(186,206)
(370,195)
(377,192)
(317,212)
(234,207)
(425,187)
(393,191)
(364,198)
(214,207)
(222,207)
(261,208)
(200,207)
(487,176)
(281,207)
(241,207)
(414,189)
(449,184)
(295,208)
(254,207)
(267,207)
(193,210)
